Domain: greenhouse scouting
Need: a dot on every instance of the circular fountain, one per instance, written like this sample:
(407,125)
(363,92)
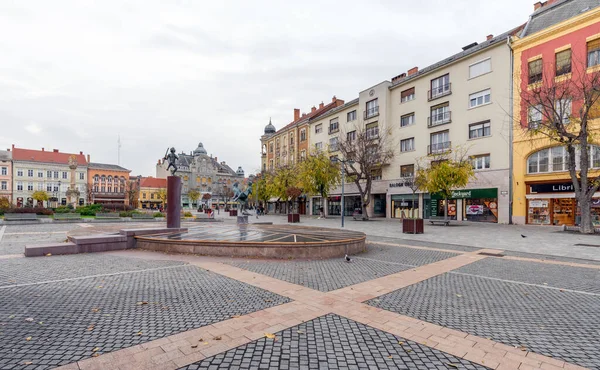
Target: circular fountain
(256,240)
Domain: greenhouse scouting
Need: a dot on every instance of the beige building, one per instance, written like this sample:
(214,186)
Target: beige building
(461,101)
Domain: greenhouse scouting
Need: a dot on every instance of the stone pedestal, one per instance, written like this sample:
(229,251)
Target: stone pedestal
(242,219)
(173,202)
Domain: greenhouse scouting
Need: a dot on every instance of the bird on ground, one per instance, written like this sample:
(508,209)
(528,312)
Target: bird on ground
(523,236)
(347,259)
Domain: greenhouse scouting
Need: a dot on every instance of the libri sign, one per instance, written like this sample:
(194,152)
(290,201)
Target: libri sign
(566,187)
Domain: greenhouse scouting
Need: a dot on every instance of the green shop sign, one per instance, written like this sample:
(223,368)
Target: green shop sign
(470,194)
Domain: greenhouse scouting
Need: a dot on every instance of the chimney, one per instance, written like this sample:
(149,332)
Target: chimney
(55,150)
(303,114)
(216,159)
(413,71)
(333,99)
(13,146)
(321,105)
(489,37)
(88,158)
(537,5)
(80,153)
(313,108)
(400,76)
(42,149)
(296,114)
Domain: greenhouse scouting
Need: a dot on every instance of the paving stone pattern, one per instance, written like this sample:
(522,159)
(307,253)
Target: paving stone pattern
(14,271)
(558,276)
(558,324)
(550,258)
(333,342)
(72,318)
(332,274)
(419,243)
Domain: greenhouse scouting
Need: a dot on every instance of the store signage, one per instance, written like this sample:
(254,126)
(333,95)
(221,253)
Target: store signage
(471,194)
(461,194)
(396,184)
(538,203)
(474,209)
(553,188)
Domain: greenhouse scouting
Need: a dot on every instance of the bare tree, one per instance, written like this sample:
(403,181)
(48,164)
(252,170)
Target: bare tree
(365,150)
(561,109)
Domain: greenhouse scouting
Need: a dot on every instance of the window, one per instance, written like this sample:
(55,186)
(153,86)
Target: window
(303,135)
(372,108)
(319,128)
(593,52)
(563,62)
(351,136)
(377,174)
(143,195)
(481,129)
(559,158)
(407,170)
(594,156)
(439,142)
(64,174)
(19,172)
(56,174)
(40,186)
(534,116)
(40,173)
(81,176)
(29,186)
(334,125)
(407,145)
(55,187)
(407,95)
(407,120)
(49,187)
(4,185)
(481,162)
(333,144)
(29,173)
(439,87)
(303,155)
(480,98)
(292,138)
(103,188)
(480,68)
(151,195)
(535,71)
(49,174)
(351,116)
(334,158)
(538,162)
(270,147)
(270,164)
(4,171)
(372,131)
(319,146)
(440,114)
(19,185)
(563,109)
(109,188)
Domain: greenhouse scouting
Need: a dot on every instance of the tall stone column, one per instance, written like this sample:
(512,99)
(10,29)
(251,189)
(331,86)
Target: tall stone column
(173,202)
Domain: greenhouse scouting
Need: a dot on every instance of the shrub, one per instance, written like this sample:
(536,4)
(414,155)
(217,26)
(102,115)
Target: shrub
(37,211)
(62,209)
(127,213)
(116,207)
(89,210)
(158,214)
(188,214)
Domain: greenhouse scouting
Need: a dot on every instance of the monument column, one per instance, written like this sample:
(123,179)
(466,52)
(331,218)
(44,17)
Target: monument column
(173,202)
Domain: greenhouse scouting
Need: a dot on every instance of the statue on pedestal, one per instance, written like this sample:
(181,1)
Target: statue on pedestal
(242,196)
(72,192)
(172,159)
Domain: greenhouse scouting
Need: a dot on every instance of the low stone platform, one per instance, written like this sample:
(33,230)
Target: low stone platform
(252,240)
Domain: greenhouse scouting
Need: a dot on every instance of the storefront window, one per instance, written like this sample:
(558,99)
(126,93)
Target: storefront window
(317,204)
(538,212)
(441,210)
(563,211)
(404,206)
(482,210)
(334,206)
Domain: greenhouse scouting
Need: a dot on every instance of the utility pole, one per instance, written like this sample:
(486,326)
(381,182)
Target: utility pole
(119,150)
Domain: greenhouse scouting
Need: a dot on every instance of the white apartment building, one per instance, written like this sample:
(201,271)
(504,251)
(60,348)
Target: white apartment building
(49,171)
(461,101)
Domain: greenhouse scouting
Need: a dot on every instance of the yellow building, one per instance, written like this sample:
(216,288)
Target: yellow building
(150,193)
(555,50)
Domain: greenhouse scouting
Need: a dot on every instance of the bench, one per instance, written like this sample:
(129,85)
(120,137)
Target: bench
(107,216)
(67,216)
(142,216)
(439,220)
(20,217)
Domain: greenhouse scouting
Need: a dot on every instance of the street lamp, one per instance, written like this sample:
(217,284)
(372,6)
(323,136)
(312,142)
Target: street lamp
(343,167)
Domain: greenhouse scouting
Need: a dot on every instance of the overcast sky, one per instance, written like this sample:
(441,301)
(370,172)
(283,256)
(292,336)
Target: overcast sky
(76,74)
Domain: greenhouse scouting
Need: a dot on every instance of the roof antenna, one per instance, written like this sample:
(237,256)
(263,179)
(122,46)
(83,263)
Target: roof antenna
(119,150)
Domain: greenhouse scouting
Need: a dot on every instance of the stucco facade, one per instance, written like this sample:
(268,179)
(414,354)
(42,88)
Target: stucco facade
(6,174)
(107,183)
(542,194)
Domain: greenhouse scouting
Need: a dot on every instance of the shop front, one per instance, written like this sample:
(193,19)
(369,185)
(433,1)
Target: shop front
(405,206)
(554,203)
(379,209)
(351,202)
(479,205)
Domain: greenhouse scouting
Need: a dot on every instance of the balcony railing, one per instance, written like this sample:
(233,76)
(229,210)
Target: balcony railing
(372,112)
(534,125)
(439,91)
(439,119)
(333,130)
(439,147)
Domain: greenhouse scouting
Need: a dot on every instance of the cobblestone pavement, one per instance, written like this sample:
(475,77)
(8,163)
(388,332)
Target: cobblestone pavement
(418,243)
(333,342)
(551,322)
(331,274)
(551,258)
(51,324)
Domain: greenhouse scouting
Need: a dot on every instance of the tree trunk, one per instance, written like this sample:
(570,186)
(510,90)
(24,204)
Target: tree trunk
(365,213)
(446,209)
(586,225)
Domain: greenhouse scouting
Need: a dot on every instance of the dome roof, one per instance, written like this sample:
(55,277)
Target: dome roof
(240,171)
(200,150)
(270,129)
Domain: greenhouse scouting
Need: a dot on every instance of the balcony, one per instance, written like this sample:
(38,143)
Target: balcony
(439,147)
(372,112)
(439,91)
(534,125)
(333,130)
(439,119)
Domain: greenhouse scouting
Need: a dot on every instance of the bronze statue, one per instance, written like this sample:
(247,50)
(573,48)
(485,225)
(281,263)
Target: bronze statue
(242,196)
(172,159)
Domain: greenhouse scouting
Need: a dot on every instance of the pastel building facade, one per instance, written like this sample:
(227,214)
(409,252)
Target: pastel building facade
(6,174)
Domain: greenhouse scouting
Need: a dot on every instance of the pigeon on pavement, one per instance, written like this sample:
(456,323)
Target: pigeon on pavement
(523,236)
(347,259)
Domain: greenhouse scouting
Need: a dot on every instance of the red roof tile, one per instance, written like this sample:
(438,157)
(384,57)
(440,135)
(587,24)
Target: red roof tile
(317,112)
(46,156)
(153,182)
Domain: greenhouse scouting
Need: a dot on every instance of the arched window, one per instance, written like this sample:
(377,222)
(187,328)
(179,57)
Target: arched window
(110,178)
(96,178)
(103,178)
(555,159)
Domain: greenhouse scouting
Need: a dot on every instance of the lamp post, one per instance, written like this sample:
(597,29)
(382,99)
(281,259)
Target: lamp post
(343,167)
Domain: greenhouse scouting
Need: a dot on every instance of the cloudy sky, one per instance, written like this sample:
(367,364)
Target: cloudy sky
(76,74)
